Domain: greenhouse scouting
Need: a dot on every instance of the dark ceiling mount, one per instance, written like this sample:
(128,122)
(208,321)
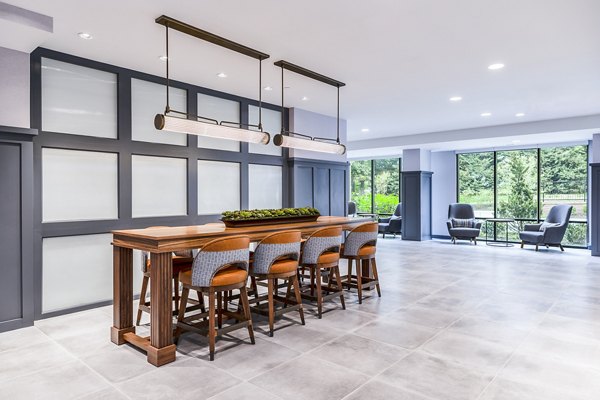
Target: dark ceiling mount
(308,73)
(210,37)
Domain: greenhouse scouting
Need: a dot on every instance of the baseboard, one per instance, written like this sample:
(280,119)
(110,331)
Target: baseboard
(440,237)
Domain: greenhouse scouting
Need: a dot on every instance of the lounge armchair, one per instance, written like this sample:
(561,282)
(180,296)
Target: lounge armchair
(551,231)
(392,224)
(351,209)
(462,223)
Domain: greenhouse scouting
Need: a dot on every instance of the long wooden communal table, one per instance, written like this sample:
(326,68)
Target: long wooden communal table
(161,242)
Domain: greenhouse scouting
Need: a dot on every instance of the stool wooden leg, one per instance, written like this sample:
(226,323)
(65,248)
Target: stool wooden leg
(271,306)
(296,283)
(211,323)
(288,292)
(254,288)
(319,292)
(181,314)
(339,285)
(376,276)
(219,310)
(359,281)
(247,315)
(142,300)
(349,272)
(312,281)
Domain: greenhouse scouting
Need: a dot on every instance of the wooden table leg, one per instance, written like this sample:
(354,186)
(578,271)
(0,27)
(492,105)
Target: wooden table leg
(161,350)
(122,294)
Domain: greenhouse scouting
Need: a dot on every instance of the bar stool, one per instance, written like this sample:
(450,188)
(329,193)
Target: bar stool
(321,252)
(276,257)
(219,267)
(182,261)
(360,247)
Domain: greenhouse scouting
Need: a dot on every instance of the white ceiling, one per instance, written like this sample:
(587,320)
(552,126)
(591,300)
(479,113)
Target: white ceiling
(401,59)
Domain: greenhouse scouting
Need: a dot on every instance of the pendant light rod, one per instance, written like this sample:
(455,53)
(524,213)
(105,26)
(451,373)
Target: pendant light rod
(168,107)
(308,73)
(210,37)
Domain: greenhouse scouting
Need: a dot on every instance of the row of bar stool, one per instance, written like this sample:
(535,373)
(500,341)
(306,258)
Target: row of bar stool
(223,266)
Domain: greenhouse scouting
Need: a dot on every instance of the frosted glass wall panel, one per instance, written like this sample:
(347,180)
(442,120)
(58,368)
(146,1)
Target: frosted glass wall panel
(77,270)
(221,110)
(218,187)
(265,186)
(78,100)
(159,186)
(271,121)
(79,185)
(149,99)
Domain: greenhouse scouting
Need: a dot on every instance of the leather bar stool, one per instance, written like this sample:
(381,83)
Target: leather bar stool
(182,261)
(321,253)
(359,248)
(276,257)
(219,267)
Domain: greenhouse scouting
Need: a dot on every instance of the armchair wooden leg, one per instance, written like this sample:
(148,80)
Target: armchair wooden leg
(561,247)
(475,240)
(522,244)
(536,247)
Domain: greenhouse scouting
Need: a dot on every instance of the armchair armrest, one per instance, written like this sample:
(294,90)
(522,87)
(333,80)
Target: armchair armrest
(532,227)
(449,224)
(478,224)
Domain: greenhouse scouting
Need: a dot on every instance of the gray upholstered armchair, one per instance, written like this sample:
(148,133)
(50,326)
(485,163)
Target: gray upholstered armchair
(351,209)
(462,223)
(551,231)
(392,224)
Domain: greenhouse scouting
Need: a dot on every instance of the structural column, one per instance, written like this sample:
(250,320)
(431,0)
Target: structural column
(416,194)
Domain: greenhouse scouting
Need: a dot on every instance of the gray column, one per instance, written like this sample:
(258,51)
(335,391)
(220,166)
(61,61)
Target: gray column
(416,194)
(594,202)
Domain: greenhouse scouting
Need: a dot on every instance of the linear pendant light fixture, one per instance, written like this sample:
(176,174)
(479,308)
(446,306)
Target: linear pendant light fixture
(181,122)
(305,142)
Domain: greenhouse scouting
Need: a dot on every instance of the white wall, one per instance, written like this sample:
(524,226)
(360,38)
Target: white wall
(14,88)
(443,190)
(313,124)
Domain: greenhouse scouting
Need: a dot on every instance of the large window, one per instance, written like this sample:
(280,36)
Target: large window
(524,185)
(375,185)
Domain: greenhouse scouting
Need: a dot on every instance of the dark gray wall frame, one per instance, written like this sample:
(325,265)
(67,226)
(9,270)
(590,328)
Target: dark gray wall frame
(595,209)
(319,184)
(416,205)
(16,235)
(125,147)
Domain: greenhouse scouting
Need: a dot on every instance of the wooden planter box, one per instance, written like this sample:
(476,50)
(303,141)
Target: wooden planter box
(270,221)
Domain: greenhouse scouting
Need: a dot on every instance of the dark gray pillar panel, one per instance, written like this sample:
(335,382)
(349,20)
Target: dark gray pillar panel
(595,209)
(10,233)
(338,192)
(416,205)
(303,187)
(321,190)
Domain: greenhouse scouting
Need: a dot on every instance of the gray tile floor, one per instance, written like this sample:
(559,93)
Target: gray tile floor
(454,322)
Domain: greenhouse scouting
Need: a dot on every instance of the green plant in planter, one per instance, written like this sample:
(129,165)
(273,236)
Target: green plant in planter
(243,215)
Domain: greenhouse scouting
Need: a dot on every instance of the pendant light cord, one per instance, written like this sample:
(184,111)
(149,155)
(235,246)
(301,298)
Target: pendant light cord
(260,128)
(168,108)
(282,108)
(338,115)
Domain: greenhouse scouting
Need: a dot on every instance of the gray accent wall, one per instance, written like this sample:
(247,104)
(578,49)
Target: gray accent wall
(14,88)
(416,205)
(443,190)
(594,220)
(319,125)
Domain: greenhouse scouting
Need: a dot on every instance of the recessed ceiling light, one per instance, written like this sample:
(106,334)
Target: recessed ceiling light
(364,130)
(268,88)
(516,142)
(163,58)
(486,114)
(222,75)
(85,35)
(455,98)
(304,98)
(519,114)
(287,87)
(494,67)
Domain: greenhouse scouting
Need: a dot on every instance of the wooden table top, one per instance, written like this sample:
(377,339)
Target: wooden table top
(185,237)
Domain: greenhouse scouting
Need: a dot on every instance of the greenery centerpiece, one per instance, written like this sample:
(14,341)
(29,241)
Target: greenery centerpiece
(269,216)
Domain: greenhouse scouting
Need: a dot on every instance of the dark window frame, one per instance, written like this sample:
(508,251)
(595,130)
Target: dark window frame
(372,161)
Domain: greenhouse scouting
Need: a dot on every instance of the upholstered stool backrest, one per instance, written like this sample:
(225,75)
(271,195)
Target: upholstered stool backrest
(363,235)
(278,246)
(322,240)
(218,254)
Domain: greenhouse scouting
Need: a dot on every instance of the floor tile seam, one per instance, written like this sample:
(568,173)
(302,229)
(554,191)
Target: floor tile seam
(104,379)
(509,359)
(241,383)
(373,379)
(27,345)
(35,372)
